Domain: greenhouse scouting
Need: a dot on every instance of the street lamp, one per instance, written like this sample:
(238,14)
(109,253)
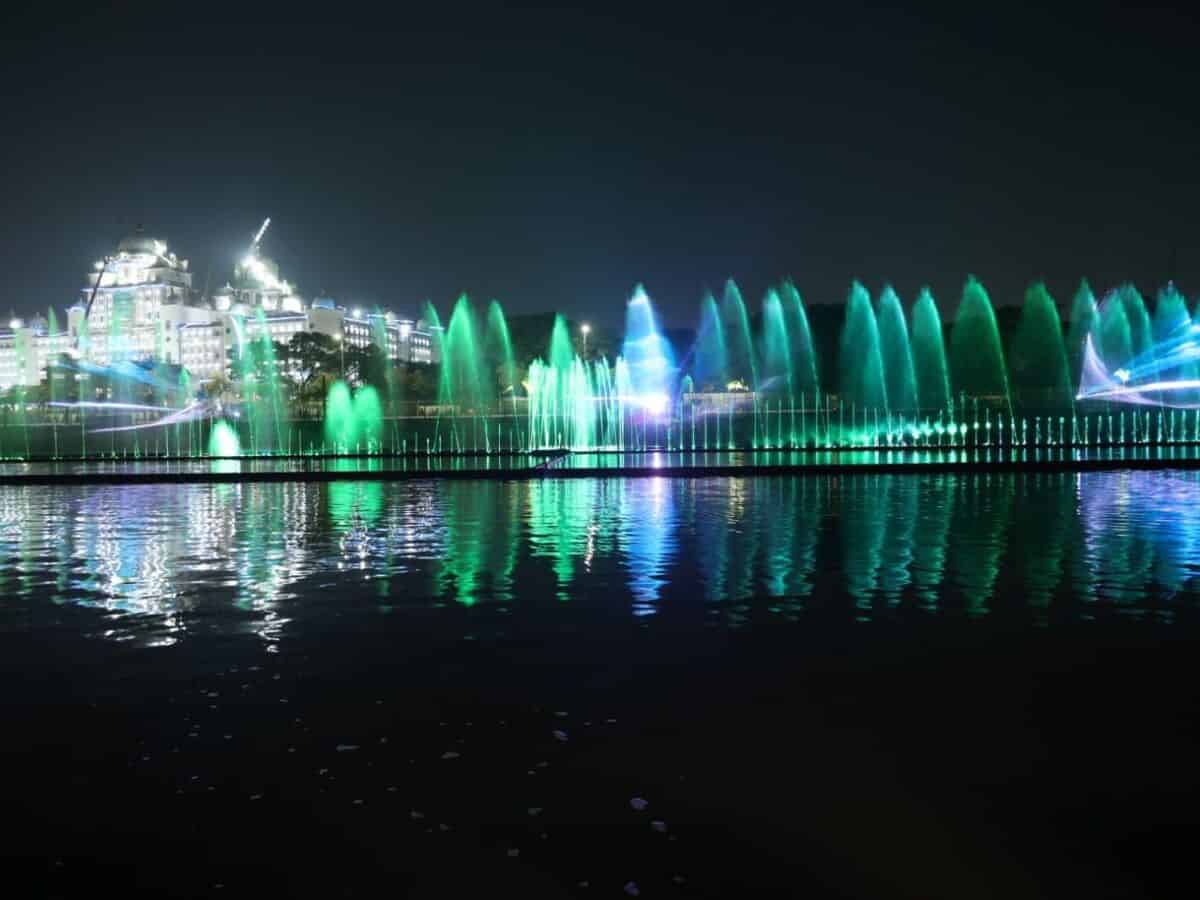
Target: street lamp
(342,353)
(586,329)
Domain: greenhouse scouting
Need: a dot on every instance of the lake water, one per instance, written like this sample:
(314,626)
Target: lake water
(865,684)
(160,560)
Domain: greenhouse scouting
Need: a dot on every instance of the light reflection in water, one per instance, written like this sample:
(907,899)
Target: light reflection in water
(561,518)
(721,549)
(978,526)
(484,520)
(647,539)
(1140,527)
(931,528)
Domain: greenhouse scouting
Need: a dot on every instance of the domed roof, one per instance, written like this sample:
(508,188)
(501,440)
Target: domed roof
(138,242)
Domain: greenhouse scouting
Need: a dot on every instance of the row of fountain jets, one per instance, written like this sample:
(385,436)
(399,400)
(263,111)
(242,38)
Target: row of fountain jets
(899,380)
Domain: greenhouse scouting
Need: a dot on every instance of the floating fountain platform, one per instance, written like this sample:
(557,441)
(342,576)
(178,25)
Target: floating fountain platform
(596,464)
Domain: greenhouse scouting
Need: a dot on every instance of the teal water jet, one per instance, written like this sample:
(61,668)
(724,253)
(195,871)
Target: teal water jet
(462,382)
(462,389)
(1140,330)
(223,440)
(804,357)
(1038,359)
(647,353)
(929,355)
(740,362)
(341,424)
(860,357)
(776,355)
(1171,326)
(899,375)
(977,366)
(368,419)
(499,351)
(1083,318)
(1170,314)
(710,357)
(1112,335)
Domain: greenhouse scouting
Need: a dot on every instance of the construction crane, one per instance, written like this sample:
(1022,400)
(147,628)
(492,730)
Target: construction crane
(258,237)
(87,310)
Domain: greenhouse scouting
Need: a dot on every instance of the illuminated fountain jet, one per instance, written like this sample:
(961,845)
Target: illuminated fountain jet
(197,410)
(1165,375)
(648,357)
(143,372)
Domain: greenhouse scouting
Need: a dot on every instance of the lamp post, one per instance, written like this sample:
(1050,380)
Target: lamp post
(342,355)
(586,329)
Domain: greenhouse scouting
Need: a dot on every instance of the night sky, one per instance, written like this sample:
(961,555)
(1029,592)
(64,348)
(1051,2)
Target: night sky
(553,159)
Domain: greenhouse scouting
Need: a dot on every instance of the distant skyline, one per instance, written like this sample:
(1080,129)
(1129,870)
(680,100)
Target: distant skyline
(553,159)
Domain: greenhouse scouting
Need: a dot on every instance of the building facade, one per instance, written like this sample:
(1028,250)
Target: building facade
(140,304)
(27,350)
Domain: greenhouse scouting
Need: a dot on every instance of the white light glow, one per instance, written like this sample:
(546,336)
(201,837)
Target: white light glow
(652,403)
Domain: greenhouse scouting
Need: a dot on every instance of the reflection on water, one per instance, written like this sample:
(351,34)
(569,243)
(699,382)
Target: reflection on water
(722,550)
(482,521)
(647,523)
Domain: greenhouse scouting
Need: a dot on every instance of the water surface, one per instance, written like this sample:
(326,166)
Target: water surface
(161,560)
(930,684)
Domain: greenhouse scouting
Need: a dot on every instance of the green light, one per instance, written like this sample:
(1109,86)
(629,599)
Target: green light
(223,440)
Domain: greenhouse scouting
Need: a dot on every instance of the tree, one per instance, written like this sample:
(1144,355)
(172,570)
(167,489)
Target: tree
(418,383)
(307,357)
(262,365)
(365,365)
(218,386)
(374,368)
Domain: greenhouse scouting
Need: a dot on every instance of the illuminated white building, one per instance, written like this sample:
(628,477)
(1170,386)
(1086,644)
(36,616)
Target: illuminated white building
(138,298)
(26,350)
(139,304)
(256,284)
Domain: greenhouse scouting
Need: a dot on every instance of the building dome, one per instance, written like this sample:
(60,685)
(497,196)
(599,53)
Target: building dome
(138,242)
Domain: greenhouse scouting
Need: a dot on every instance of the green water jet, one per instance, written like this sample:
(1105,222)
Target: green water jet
(977,366)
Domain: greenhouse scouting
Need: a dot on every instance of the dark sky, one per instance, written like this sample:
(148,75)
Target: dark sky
(553,159)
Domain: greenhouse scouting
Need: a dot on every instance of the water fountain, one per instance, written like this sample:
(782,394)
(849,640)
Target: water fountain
(977,366)
(1040,379)
(709,372)
(1140,331)
(1082,321)
(223,440)
(747,384)
(929,355)
(1172,329)
(739,345)
(1112,334)
(776,350)
(353,422)
(900,377)
(805,381)
(862,384)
